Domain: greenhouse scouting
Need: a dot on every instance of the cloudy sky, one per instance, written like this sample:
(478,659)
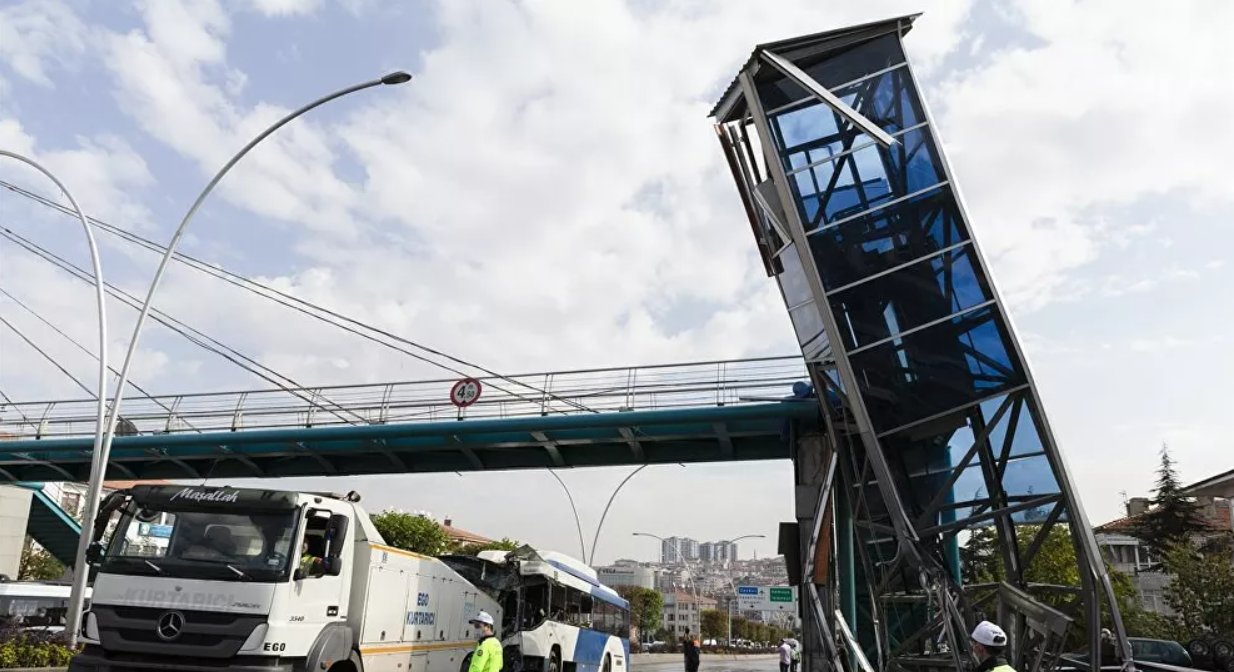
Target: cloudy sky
(547,194)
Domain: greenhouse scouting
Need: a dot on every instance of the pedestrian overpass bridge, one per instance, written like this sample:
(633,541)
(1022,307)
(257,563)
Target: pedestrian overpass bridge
(700,412)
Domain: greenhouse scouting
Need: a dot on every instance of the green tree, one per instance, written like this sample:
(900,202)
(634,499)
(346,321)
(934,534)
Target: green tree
(715,624)
(1055,563)
(37,564)
(1202,590)
(411,532)
(476,549)
(1173,518)
(646,607)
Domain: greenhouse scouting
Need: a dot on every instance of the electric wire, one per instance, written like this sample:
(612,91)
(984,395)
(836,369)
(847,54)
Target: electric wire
(303,306)
(9,401)
(93,356)
(190,333)
(13,328)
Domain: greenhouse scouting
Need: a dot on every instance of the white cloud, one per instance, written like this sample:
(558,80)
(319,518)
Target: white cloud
(104,174)
(286,7)
(1103,112)
(37,35)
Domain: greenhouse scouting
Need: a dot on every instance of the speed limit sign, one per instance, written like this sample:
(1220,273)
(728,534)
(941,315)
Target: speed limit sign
(465,392)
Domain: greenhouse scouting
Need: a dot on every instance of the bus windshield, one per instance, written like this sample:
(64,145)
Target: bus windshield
(202,544)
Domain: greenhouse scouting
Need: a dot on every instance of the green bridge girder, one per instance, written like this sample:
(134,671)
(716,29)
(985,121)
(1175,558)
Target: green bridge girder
(759,431)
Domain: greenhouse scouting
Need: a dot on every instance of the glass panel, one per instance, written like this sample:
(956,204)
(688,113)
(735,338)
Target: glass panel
(929,290)
(1029,477)
(887,99)
(1025,441)
(933,370)
(834,69)
(806,322)
(816,133)
(867,178)
(886,238)
(793,278)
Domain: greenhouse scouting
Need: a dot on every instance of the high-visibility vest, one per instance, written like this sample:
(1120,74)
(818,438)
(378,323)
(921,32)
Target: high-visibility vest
(487,656)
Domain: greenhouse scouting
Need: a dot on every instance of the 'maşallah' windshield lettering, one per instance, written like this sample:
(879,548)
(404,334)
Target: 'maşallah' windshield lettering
(218,496)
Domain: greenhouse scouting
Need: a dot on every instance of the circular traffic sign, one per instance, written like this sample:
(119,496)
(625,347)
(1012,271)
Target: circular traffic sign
(465,392)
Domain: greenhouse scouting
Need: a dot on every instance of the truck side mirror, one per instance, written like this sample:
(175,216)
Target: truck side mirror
(332,566)
(336,537)
(94,553)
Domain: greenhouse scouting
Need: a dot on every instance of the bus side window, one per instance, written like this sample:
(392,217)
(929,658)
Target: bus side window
(535,606)
(574,602)
(586,607)
(558,598)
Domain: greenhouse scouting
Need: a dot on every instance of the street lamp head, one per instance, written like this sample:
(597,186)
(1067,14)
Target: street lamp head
(398,77)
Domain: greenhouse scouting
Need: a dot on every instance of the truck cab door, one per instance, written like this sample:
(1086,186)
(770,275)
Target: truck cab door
(323,576)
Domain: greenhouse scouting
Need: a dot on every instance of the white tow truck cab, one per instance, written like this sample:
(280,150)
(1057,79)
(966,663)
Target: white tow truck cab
(261,580)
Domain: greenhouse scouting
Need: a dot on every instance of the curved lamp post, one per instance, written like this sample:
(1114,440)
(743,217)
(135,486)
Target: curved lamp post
(80,571)
(582,545)
(600,526)
(698,610)
(732,587)
(99,467)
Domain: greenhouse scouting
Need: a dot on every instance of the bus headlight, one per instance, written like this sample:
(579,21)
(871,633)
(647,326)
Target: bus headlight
(90,627)
(253,643)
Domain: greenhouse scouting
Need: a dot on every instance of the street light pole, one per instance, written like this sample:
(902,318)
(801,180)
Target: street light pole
(98,469)
(79,570)
(596,540)
(693,586)
(582,545)
(733,597)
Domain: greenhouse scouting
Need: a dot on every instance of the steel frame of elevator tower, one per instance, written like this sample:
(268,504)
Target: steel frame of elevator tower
(925,390)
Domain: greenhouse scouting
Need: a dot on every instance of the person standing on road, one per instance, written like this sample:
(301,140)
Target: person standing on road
(796,656)
(988,643)
(487,656)
(786,655)
(690,647)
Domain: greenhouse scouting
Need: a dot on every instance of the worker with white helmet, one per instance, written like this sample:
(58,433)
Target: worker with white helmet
(487,656)
(989,643)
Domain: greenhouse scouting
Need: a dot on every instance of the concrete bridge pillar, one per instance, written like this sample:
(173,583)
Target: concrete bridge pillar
(812,455)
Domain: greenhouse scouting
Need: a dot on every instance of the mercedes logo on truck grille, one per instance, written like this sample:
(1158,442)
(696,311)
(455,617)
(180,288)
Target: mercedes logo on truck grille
(170,625)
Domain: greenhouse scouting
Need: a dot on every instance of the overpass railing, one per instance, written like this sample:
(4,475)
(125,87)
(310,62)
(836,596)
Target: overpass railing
(659,387)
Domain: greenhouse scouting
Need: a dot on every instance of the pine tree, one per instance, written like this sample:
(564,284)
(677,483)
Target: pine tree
(1173,518)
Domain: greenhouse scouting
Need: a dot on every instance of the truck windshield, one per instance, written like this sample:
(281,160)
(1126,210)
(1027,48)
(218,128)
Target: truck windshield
(202,544)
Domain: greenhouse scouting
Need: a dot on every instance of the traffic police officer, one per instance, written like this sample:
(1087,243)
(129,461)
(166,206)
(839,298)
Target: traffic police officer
(487,656)
(988,643)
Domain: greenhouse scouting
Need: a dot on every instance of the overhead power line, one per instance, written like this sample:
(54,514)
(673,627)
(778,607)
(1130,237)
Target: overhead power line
(320,313)
(48,357)
(193,335)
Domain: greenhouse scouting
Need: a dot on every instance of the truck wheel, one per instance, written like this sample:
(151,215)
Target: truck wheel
(352,664)
(1223,651)
(553,662)
(608,663)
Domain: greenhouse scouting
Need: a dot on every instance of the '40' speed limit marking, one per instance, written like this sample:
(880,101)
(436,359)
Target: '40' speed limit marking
(465,392)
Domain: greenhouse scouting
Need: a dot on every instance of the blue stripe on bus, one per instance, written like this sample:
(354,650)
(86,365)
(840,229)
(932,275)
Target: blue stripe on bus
(589,650)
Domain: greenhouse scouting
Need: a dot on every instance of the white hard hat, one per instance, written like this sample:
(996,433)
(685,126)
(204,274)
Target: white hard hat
(988,634)
(483,617)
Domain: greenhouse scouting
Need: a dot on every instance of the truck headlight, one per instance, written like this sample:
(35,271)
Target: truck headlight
(90,627)
(253,643)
